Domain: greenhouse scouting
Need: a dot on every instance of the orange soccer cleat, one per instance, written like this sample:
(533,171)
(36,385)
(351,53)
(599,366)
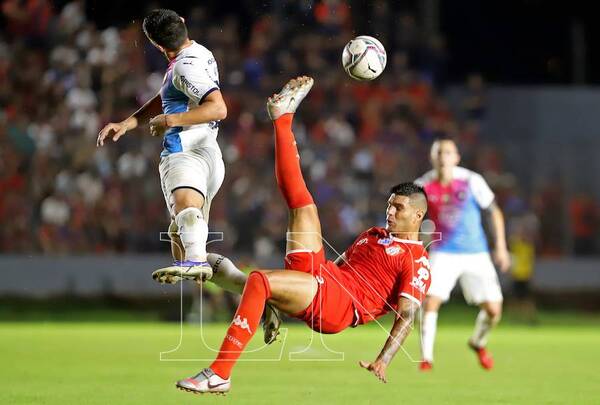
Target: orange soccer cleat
(485,358)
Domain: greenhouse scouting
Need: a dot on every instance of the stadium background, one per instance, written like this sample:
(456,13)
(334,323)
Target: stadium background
(514,82)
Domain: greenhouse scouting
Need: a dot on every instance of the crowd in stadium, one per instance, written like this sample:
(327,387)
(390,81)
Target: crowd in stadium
(63,79)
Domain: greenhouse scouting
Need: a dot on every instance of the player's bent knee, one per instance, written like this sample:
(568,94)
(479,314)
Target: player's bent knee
(187,198)
(432,303)
(495,316)
(494,311)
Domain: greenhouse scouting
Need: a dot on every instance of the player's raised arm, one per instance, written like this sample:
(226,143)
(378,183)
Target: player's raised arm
(211,109)
(405,316)
(115,130)
(198,79)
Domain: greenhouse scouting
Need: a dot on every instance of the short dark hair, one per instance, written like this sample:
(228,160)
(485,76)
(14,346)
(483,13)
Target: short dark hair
(443,136)
(165,28)
(409,189)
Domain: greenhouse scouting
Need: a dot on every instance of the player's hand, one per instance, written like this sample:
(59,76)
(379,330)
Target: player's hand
(501,258)
(113,130)
(158,125)
(377,367)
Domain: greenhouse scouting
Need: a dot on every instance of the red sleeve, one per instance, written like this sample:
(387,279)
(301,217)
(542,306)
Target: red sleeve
(416,276)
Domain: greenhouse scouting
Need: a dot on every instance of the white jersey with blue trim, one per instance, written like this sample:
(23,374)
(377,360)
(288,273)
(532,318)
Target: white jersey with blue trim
(190,77)
(455,208)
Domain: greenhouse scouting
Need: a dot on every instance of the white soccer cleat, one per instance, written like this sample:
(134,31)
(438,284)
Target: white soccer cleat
(290,97)
(205,382)
(183,270)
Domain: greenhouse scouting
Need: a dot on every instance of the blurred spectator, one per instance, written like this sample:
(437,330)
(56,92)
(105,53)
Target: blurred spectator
(63,78)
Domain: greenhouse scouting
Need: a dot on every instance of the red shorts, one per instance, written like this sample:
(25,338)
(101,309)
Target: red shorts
(332,310)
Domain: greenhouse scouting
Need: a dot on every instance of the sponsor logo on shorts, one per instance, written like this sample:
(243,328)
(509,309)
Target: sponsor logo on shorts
(242,323)
(319,279)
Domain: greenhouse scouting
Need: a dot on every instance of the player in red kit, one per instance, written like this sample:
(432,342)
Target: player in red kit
(385,269)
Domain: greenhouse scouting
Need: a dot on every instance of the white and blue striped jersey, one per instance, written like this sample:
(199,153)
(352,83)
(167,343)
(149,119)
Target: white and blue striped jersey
(190,77)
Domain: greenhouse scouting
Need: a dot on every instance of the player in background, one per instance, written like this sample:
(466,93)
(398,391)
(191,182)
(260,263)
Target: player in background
(457,198)
(385,268)
(185,113)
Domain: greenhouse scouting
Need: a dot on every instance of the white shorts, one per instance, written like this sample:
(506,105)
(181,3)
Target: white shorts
(476,272)
(201,169)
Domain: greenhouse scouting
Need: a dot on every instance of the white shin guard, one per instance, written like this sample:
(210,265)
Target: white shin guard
(193,232)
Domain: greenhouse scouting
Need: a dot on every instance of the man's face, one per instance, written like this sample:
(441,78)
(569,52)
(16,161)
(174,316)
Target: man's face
(401,215)
(444,155)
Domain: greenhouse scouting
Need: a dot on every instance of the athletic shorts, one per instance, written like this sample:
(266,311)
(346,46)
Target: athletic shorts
(475,272)
(332,310)
(201,169)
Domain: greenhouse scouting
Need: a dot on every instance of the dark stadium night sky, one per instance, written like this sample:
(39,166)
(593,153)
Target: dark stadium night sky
(519,41)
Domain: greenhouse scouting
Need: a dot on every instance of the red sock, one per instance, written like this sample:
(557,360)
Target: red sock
(287,165)
(245,323)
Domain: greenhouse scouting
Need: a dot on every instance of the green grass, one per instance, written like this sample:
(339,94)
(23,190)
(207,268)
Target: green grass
(118,363)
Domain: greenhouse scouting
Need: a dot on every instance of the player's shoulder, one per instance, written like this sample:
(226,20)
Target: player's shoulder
(375,231)
(426,178)
(415,247)
(462,173)
(194,56)
(475,180)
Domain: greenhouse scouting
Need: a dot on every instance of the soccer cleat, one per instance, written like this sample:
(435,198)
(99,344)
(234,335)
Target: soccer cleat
(205,382)
(485,359)
(183,270)
(290,97)
(425,365)
(271,324)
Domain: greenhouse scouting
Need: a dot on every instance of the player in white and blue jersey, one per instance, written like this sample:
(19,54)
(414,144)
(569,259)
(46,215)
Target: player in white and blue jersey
(457,200)
(186,113)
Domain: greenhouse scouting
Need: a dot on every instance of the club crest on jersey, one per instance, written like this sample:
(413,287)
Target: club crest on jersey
(362,241)
(393,250)
(385,241)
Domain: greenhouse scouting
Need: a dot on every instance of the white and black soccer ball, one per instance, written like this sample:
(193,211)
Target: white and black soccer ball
(364,58)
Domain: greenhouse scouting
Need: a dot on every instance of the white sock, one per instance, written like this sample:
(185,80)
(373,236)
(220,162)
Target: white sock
(428,330)
(483,326)
(225,274)
(193,232)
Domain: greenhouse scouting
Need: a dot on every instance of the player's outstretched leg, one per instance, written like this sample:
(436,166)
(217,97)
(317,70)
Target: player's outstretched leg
(227,276)
(304,229)
(290,291)
(281,108)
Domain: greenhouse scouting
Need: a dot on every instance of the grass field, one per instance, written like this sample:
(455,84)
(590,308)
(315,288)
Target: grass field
(119,363)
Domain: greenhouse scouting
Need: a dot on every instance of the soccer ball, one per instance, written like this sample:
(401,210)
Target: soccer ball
(364,58)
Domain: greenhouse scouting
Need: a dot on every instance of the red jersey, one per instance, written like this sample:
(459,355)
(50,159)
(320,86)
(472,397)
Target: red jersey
(379,268)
